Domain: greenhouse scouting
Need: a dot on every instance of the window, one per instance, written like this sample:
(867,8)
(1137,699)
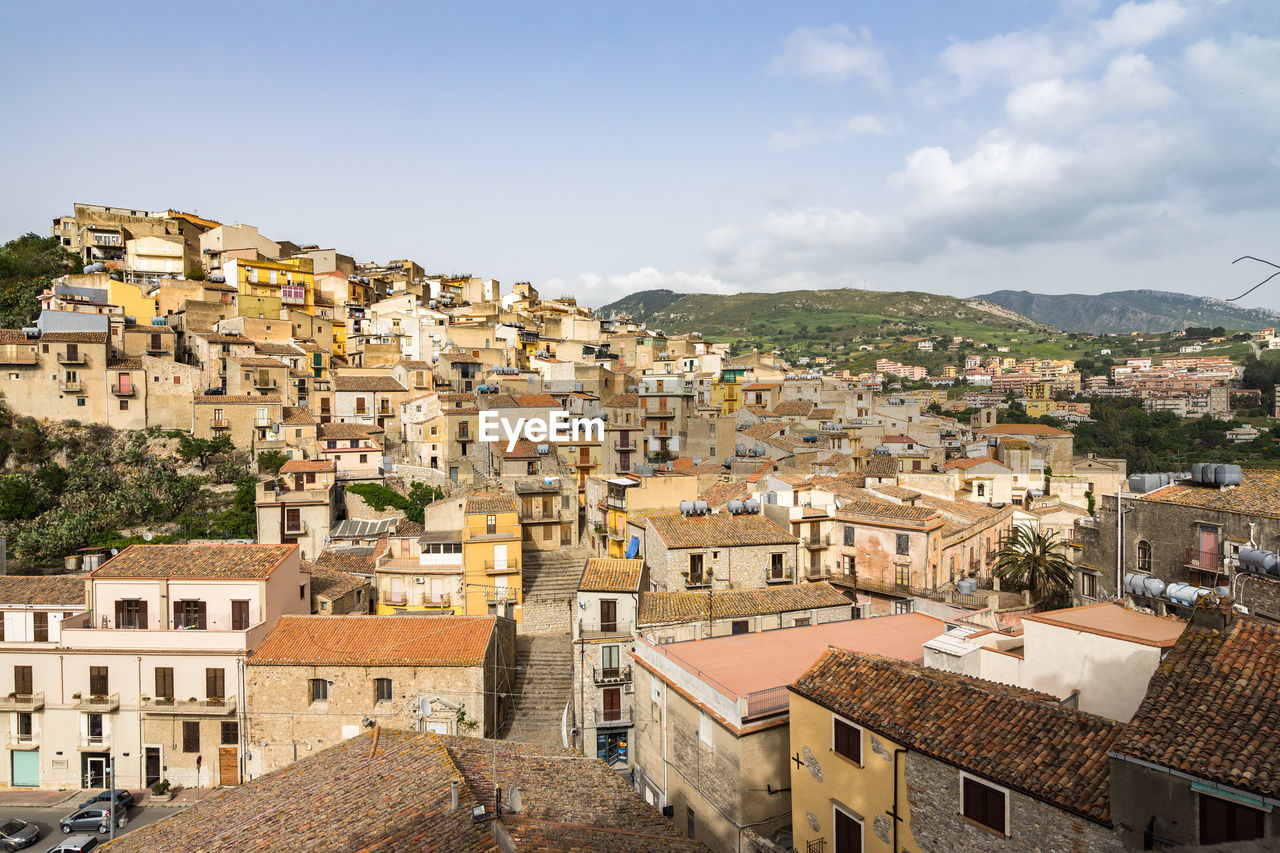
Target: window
(382,690)
(688,822)
(79,401)
(164,682)
(1088,585)
(902,575)
(22,683)
(742,626)
(903,545)
(239,615)
(1223,820)
(131,614)
(230,732)
(190,615)
(490,524)
(41,627)
(319,690)
(696,577)
(982,490)
(302,590)
(848,832)
(609,661)
(777,571)
(190,735)
(124,405)
(98,683)
(546,532)
(983,804)
(846,740)
(1144,555)
(849,531)
(801,621)
(215,683)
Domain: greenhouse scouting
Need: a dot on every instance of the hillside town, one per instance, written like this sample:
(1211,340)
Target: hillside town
(736,604)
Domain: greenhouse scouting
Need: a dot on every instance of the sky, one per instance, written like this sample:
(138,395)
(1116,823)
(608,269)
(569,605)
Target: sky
(599,149)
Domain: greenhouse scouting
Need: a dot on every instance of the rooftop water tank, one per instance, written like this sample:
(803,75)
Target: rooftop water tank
(967,585)
(701,507)
(740,449)
(751,505)
(735,507)
(686,507)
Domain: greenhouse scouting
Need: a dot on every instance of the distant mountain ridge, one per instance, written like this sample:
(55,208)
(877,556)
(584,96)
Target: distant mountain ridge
(1122,311)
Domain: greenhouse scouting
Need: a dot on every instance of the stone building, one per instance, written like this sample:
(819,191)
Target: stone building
(299,506)
(247,420)
(718,550)
(314,681)
(894,756)
(666,617)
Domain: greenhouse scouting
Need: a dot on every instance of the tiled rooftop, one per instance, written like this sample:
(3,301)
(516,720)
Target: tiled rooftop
(366,383)
(1023,429)
(332,583)
(375,641)
(886,510)
(1010,735)
(242,562)
(661,608)
(611,575)
(1257,494)
(1211,710)
(489,504)
(304,466)
(42,589)
(719,529)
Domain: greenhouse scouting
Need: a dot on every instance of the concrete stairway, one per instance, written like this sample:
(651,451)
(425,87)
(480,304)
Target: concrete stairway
(544,678)
(550,581)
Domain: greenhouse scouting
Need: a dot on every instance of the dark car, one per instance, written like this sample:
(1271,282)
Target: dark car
(76,844)
(16,834)
(123,798)
(94,817)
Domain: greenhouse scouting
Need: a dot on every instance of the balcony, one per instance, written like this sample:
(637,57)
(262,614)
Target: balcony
(298,528)
(624,446)
(660,413)
(219,423)
(263,383)
(23,740)
(536,517)
(124,390)
(777,577)
(595,629)
(19,358)
(156,349)
(612,716)
(22,702)
(99,704)
(71,386)
(186,707)
(817,573)
(1205,561)
(94,743)
(71,358)
(761,703)
(508,567)
(613,675)
(815,542)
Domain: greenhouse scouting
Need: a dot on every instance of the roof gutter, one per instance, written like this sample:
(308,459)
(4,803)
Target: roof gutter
(1205,785)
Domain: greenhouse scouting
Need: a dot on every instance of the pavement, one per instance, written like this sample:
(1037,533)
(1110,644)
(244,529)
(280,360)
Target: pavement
(46,815)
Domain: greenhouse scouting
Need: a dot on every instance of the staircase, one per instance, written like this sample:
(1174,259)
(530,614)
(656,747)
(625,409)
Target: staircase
(544,678)
(544,652)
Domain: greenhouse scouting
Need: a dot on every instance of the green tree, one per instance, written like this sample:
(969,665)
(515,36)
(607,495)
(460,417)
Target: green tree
(1038,562)
(193,449)
(271,461)
(196,273)
(421,494)
(27,265)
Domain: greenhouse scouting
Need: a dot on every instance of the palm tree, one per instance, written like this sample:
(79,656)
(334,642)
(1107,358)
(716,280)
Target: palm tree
(1038,562)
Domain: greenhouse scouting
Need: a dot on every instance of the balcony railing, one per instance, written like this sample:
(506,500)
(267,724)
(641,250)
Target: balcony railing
(1203,559)
(773,576)
(297,528)
(822,540)
(758,703)
(544,515)
(495,568)
(71,386)
(69,358)
(202,707)
(611,675)
(612,716)
(624,445)
(23,740)
(19,358)
(594,628)
(264,384)
(94,743)
(219,423)
(817,573)
(23,702)
(99,703)
(124,390)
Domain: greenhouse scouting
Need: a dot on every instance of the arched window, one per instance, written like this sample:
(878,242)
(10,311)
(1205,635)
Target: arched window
(1144,555)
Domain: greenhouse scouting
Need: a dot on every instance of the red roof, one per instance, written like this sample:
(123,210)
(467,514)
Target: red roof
(375,641)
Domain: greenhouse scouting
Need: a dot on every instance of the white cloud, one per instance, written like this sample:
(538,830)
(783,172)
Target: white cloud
(1133,24)
(832,54)
(1132,85)
(803,132)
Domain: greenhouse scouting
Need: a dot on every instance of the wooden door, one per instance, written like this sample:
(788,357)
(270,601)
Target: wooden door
(612,704)
(608,615)
(228,765)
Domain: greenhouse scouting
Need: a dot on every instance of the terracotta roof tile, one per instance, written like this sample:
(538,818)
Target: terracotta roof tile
(623,401)
(661,608)
(195,561)
(42,589)
(718,529)
(74,337)
(367,383)
(347,430)
(305,466)
(375,641)
(793,408)
(880,467)
(489,504)
(1010,735)
(1211,711)
(332,583)
(1022,429)
(297,416)
(346,560)
(611,575)
(234,400)
(1257,494)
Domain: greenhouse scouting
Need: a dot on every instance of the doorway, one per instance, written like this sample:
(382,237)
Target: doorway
(94,770)
(151,765)
(228,765)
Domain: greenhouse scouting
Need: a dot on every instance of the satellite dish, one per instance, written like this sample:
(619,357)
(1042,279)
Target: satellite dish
(146,536)
(115,551)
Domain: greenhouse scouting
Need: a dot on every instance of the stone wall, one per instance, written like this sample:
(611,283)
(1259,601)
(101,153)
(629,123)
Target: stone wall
(936,823)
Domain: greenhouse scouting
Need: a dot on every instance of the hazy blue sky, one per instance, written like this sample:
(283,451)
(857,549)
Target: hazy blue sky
(602,148)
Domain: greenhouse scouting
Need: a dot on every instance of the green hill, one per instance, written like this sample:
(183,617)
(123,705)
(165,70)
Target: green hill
(1124,311)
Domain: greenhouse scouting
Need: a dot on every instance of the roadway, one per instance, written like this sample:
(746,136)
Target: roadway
(47,818)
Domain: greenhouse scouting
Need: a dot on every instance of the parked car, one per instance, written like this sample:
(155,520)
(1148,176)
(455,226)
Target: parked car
(97,817)
(16,834)
(123,798)
(77,844)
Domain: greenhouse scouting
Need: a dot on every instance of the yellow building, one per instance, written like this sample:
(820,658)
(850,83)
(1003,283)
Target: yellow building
(630,493)
(949,371)
(491,556)
(132,299)
(726,390)
(266,288)
(585,458)
(896,756)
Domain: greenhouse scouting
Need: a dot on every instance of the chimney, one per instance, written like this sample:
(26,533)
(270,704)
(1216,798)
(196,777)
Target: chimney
(453,794)
(1215,617)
